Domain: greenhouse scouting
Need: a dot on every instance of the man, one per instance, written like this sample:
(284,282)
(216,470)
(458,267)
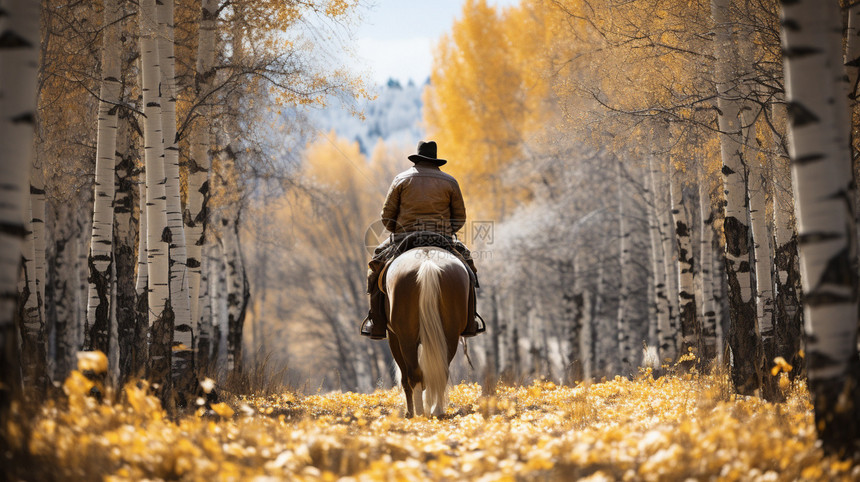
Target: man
(421,199)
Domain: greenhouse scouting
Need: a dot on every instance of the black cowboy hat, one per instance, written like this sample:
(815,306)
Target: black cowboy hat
(427,152)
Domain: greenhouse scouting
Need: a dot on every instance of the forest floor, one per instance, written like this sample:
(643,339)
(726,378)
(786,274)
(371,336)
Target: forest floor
(671,428)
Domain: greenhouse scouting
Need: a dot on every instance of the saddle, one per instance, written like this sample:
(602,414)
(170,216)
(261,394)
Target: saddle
(402,243)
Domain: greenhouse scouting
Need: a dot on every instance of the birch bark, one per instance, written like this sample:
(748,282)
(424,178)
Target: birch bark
(141,288)
(670,265)
(237,296)
(206,330)
(824,197)
(757,193)
(710,346)
(100,262)
(32,328)
(743,338)
(197,212)
(665,334)
(691,331)
(19,59)
(37,223)
(125,239)
(158,234)
(624,309)
(37,203)
(182,357)
(788,323)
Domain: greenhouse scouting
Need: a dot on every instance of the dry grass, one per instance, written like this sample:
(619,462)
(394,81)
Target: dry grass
(672,428)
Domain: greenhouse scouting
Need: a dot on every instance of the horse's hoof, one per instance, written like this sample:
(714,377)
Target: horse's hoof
(409,415)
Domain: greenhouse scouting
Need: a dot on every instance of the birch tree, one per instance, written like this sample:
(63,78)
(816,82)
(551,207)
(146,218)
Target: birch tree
(158,235)
(690,326)
(141,286)
(625,350)
(787,309)
(182,356)
(30,321)
(196,211)
(665,335)
(19,54)
(743,338)
(100,262)
(131,344)
(757,186)
(37,225)
(710,345)
(824,202)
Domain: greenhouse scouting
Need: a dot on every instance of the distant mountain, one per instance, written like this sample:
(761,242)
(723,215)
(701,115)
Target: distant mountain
(394,116)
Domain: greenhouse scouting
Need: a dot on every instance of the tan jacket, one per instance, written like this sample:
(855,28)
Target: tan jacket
(424,198)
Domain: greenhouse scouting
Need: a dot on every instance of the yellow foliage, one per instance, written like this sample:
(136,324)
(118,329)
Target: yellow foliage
(223,410)
(93,361)
(644,429)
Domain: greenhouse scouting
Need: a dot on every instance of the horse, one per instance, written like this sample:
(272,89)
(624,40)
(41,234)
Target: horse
(427,292)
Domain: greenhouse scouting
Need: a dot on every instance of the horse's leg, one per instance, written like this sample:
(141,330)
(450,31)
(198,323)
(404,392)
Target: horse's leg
(409,351)
(407,390)
(404,323)
(394,344)
(418,399)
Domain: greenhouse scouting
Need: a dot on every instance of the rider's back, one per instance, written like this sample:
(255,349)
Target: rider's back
(423,198)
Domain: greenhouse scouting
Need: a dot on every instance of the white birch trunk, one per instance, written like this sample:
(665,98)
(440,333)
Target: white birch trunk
(665,334)
(141,289)
(824,196)
(19,59)
(219,308)
(710,345)
(757,193)
(182,357)
(205,343)
(670,261)
(664,216)
(100,262)
(788,314)
(691,332)
(624,310)
(157,232)
(37,225)
(125,242)
(196,211)
(743,339)
(237,296)
(32,327)
(37,203)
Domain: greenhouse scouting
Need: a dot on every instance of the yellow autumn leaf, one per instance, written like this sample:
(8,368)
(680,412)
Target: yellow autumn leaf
(93,361)
(223,410)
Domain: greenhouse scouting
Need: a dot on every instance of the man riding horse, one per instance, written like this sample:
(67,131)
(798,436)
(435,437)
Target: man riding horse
(424,206)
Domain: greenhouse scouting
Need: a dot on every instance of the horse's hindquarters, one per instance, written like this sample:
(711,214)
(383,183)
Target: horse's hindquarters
(428,291)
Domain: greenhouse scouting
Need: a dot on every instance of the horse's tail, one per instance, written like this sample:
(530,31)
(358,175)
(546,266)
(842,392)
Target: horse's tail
(433,356)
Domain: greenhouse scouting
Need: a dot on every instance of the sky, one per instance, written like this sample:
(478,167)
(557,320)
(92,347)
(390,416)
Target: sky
(395,37)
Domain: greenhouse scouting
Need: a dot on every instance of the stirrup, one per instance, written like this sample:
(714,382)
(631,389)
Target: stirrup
(482,327)
(479,328)
(366,330)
